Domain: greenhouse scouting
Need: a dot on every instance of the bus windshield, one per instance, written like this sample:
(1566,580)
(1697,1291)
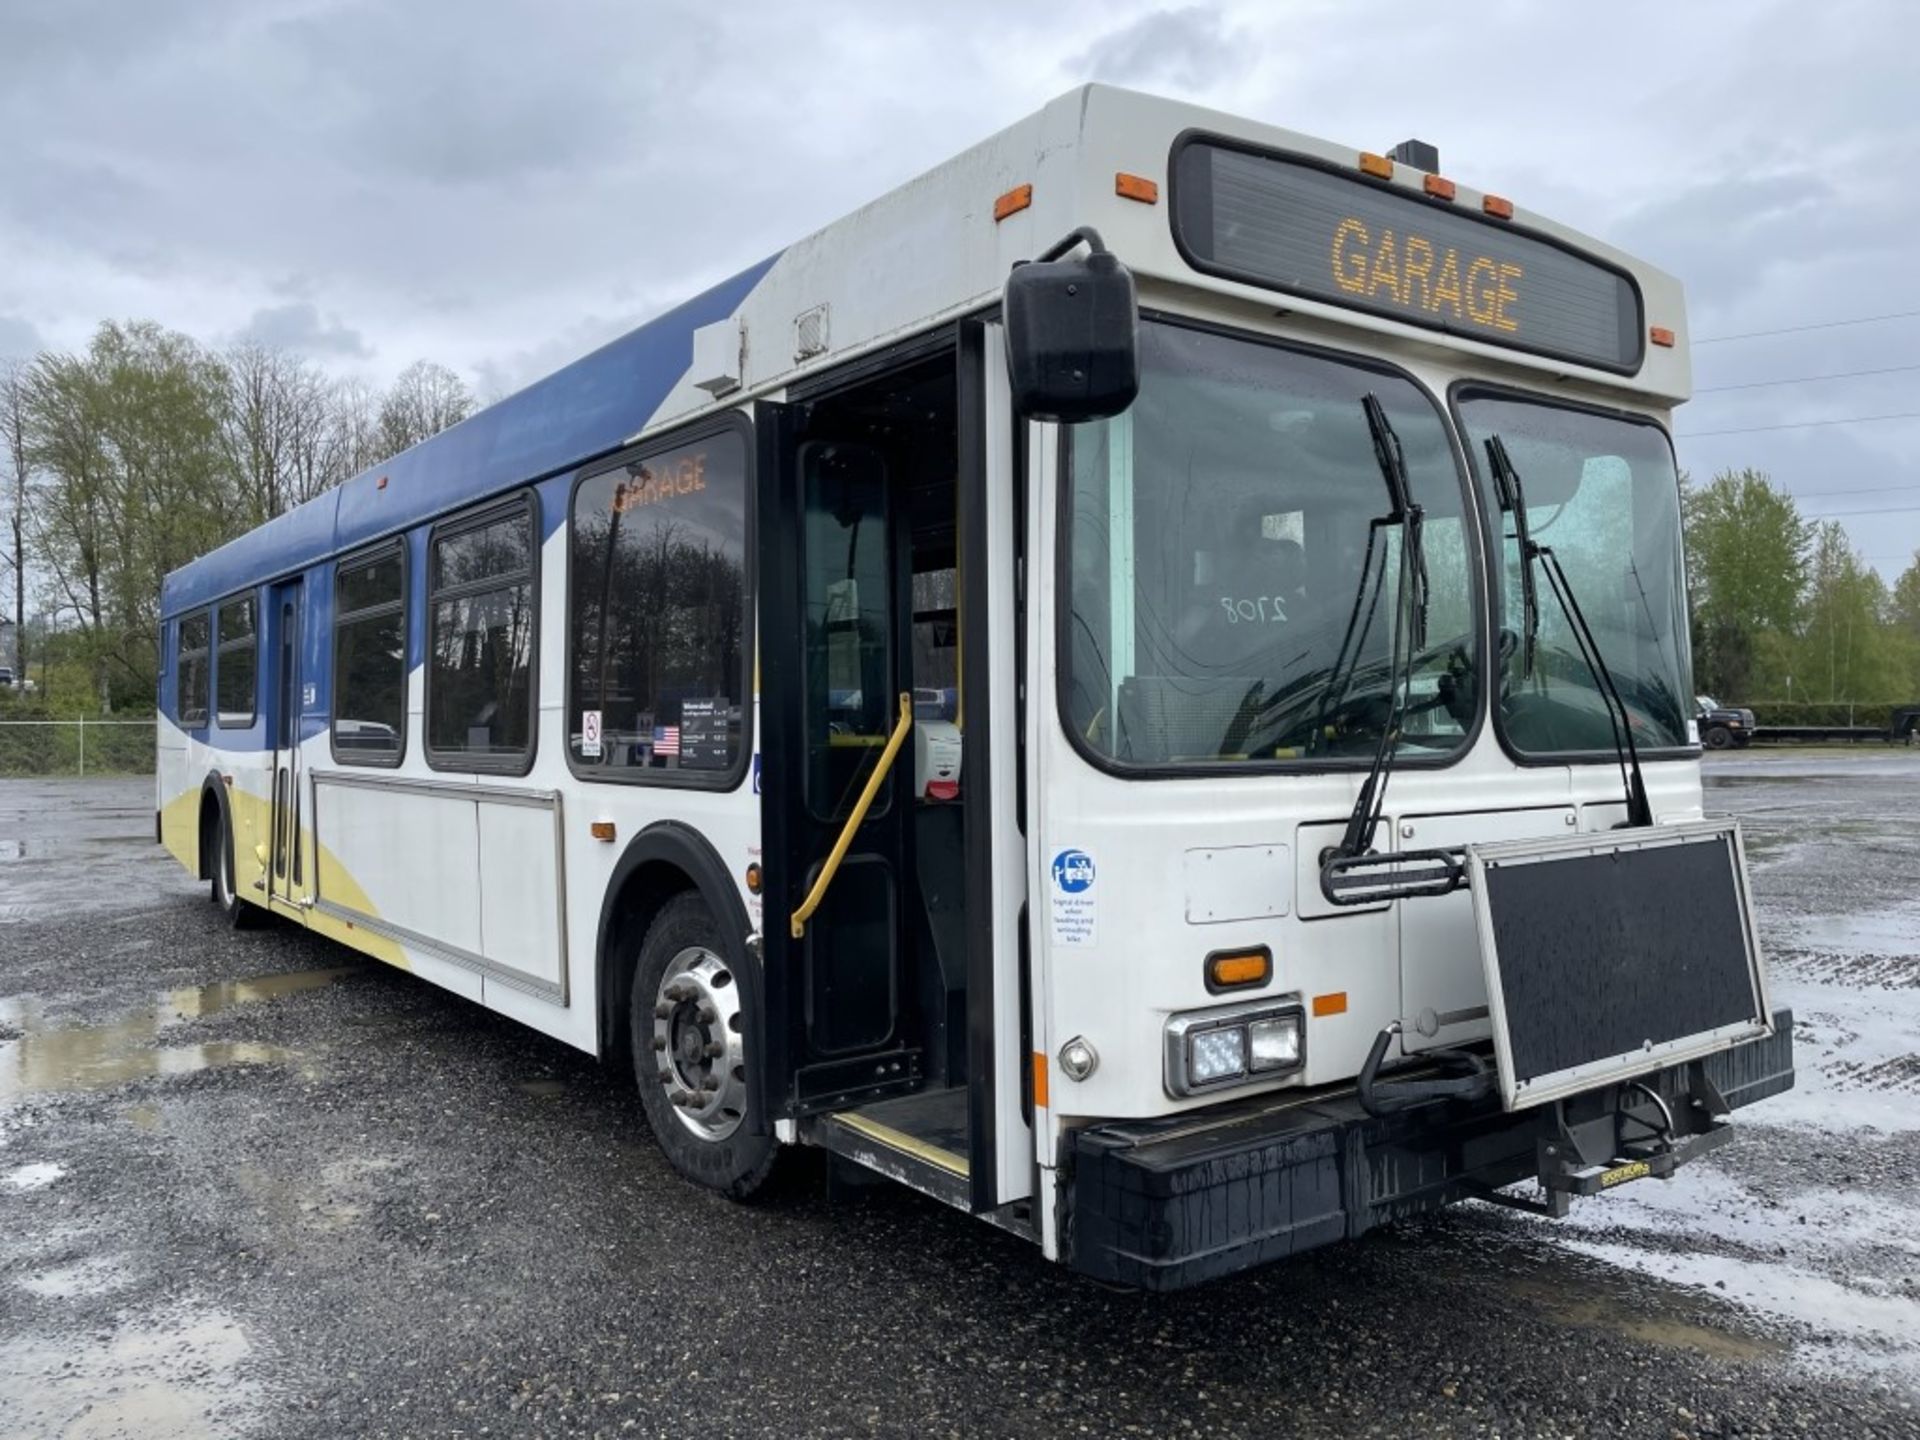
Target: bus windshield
(1233,565)
(1601,492)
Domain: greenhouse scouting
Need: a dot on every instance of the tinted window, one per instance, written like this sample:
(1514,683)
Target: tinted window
(237,669)
(370,660)
(191,671)
(480,656)
(658,608)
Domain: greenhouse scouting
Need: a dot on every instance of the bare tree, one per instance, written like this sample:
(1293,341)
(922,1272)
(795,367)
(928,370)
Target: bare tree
(13,454)
(354,439)
(424,400)
(277,430)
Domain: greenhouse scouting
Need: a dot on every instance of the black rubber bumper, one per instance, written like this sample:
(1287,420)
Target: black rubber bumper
(1167,1203)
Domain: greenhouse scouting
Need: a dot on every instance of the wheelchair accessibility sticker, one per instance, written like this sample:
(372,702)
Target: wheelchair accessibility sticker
(1073,898)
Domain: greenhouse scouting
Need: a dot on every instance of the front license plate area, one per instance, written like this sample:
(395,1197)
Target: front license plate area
(1614,955)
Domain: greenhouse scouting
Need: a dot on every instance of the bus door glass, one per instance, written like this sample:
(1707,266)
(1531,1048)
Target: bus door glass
(285,877)
(850,709)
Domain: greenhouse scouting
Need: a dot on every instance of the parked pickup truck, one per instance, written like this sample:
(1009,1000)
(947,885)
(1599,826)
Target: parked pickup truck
(1722,726)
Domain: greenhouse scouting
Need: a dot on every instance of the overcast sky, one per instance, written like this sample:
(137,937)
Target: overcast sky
(503,184)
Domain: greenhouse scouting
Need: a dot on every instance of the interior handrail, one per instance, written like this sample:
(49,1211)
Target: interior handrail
(798,924)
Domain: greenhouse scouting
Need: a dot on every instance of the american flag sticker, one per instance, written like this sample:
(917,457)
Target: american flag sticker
(666,740)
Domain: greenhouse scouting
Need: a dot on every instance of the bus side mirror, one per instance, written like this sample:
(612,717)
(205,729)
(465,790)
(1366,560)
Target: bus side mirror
(1073,334)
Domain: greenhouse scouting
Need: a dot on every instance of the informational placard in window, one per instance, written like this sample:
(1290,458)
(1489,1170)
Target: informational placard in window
(703,734)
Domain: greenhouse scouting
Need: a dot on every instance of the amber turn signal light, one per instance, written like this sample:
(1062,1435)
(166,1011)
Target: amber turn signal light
(1238,969)
(601,830)
(1013,202)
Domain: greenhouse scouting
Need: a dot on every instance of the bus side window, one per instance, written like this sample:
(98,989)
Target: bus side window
(370,658)
(237,671)
(657,615)
(191,671)
(480,604)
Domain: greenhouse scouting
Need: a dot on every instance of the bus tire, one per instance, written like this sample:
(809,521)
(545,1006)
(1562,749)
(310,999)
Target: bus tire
(689,1034)
(239,913)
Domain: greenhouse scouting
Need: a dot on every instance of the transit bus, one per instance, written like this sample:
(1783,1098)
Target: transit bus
(1137,685)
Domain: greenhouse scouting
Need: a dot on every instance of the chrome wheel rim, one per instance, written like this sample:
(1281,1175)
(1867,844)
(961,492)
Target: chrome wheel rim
(224,869)
(699,1045)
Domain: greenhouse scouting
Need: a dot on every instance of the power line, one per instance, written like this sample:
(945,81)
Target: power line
(1799,425)
(1801,329)
(1807,379)
(1871,510)
(1857,490)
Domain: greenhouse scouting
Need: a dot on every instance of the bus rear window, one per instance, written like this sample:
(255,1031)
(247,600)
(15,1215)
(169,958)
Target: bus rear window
(657,615)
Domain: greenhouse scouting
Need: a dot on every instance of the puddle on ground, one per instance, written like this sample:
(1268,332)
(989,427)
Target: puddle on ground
(1595,1309)
(543,1089)
(82,1278)
(53,1058)
(172,1373)
(33,1177)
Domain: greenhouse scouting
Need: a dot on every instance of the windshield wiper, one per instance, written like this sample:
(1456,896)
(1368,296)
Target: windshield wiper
(1512,497)
(1400,506)
(1410,607)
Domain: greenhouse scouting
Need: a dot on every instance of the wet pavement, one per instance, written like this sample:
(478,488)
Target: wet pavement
(253,1186)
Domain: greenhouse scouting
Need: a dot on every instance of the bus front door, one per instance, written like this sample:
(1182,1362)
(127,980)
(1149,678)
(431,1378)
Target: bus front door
(285,873)
(838,1027)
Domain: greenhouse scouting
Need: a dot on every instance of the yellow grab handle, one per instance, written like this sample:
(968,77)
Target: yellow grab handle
(798,924)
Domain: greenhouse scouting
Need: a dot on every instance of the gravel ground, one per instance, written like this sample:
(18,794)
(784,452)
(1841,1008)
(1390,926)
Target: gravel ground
(251,1185)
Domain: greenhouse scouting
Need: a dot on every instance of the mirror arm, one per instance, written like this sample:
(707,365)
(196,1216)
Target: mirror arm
(1083,234)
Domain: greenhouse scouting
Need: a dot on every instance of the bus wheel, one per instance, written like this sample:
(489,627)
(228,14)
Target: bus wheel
(239,913)
(690,1052)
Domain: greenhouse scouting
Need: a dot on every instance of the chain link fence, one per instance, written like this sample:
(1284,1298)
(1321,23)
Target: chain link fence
(76,747)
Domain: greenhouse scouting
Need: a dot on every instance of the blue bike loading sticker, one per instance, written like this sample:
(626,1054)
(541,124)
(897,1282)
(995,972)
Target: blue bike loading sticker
(1073,907)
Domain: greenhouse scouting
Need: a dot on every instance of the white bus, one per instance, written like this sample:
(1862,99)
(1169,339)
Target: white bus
(1137,685)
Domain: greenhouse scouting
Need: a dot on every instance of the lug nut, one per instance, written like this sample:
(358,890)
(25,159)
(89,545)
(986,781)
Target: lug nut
(662,1010)
(715,1050)
(712,1082)
(659,1042)
(706,1013)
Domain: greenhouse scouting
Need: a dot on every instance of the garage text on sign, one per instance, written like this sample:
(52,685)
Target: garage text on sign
(1415,272)
(1312,228)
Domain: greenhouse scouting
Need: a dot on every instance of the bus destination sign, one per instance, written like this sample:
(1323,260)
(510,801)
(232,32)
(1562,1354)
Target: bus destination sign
(1294,226)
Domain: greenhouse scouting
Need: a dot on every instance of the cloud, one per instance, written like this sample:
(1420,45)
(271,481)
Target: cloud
(19,339)
(1191,47)
(299,328)
(505,189)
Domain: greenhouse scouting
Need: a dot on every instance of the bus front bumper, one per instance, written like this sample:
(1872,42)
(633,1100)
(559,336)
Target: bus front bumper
(1166,1203)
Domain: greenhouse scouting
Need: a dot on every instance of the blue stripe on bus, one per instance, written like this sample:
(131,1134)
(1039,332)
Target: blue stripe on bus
(584,410)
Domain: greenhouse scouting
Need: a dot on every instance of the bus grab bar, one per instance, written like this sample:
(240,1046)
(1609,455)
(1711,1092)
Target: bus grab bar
(798,924)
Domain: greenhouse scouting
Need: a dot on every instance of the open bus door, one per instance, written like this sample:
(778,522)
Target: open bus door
(893,1025)
(831,673)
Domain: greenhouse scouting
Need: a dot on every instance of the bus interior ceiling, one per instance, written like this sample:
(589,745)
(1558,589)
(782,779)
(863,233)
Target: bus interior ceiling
(909,416)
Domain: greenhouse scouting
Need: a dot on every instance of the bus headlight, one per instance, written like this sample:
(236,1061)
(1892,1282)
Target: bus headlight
(1209,1050)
